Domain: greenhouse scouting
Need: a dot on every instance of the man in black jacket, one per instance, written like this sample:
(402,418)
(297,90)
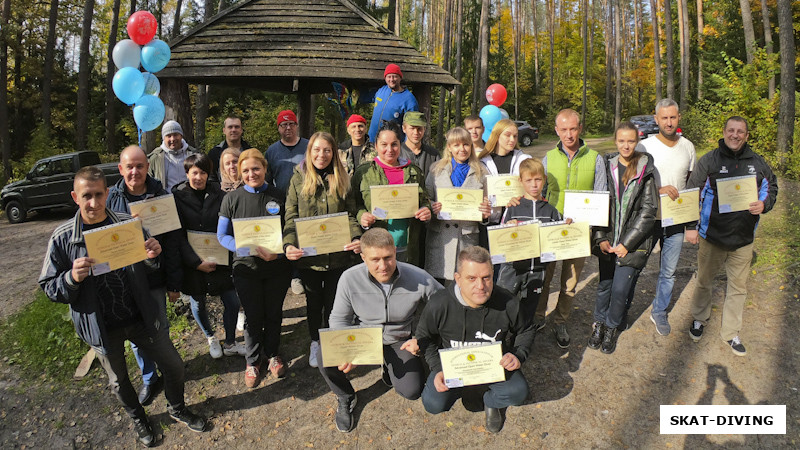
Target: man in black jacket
(725,235)
(469,313)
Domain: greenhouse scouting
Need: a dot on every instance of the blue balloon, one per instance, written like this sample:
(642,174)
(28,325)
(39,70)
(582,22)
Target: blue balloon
(148,112)
(128,85)
(486,133)
(490,115)
(155,55)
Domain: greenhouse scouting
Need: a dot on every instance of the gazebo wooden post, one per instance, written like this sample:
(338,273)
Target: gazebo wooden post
(305,113)
(423,94)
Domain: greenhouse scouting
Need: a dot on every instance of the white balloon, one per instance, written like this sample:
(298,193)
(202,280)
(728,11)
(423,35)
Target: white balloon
(151,84)
(504,113)
(126,54)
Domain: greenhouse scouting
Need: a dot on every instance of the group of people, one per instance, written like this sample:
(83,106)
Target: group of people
(428,281)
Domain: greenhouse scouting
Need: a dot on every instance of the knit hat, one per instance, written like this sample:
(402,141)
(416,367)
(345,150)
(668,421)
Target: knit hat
(392,68)
(286,116)
(170,127)
(354,119)
(415,119)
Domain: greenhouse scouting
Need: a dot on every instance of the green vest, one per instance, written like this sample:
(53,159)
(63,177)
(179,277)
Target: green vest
(563,174)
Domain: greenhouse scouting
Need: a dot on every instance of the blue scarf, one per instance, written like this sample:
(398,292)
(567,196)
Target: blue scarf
(460,172)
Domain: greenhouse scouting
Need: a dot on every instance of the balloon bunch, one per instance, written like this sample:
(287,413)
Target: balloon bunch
(132,86)
(492,113)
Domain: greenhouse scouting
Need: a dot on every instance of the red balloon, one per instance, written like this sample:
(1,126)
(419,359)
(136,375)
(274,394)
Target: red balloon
(142,26)
(496,94)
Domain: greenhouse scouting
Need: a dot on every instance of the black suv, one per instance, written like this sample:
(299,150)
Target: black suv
(527,133)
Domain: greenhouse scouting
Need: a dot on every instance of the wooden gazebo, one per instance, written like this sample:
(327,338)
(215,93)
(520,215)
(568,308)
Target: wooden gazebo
(299,46)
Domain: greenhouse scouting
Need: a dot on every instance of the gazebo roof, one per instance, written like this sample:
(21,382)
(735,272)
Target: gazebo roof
(270,43)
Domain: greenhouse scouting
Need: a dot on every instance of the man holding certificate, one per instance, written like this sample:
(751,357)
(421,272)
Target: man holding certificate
(726,238)
(114,306)
(466,315)
(380,292)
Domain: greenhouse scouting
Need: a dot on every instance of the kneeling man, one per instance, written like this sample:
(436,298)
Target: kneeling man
(470,312)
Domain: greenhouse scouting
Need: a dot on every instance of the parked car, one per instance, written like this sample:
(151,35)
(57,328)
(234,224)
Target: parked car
(527,133)
(647,126)
(49,183)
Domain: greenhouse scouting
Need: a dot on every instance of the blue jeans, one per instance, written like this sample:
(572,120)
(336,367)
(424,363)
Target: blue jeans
(502,394)
(231,312)
(145,363)
(670,254)
(613,290)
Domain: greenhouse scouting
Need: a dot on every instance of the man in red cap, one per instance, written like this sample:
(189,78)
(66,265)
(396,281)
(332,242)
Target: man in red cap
(357,149)
(391,101)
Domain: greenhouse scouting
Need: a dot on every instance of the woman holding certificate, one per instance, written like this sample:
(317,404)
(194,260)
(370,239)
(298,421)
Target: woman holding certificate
(449,232)
(261,276)
(320,186)
(501,156)
(625,244)
(378,206)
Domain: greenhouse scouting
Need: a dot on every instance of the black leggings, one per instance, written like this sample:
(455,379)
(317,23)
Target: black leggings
(320,287)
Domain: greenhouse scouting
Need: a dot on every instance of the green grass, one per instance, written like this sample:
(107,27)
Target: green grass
(779,231)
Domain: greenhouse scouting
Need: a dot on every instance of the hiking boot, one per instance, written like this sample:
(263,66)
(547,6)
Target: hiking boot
(562,337)
(214,349)
(144,432)
(737,347)
(149,391)
(624,324)
(276,367)
(609,341)
(696,330)
(495,418)
(297,286)
(596,339)
(539,323)
(312,354)
(344,413)
(235,349)
(192,420)
(662,324)
(252,375)
(387,380)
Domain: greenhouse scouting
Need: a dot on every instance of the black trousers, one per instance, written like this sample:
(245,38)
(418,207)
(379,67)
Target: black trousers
(320,287)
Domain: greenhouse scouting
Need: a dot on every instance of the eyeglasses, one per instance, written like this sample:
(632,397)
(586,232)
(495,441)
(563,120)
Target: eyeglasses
(286,125)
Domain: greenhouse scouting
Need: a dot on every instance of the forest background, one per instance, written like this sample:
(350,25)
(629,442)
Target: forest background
(608,59)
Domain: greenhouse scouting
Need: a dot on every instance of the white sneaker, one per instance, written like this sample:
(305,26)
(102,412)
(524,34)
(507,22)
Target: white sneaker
(214,348)
(312,354)
(240,321)
(297,286)
(235,349)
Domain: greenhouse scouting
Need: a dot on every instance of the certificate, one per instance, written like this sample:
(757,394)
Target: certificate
(685,208)
(460,204)
(587,206)
(508,243)
(561,241)
(207,247)
(394,201)
(355,345)
(259,231)
(115,246)
(501,188)
(736,193)
(323,234)
(159,214)
(468,366)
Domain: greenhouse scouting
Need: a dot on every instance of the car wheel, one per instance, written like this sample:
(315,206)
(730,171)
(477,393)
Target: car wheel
(15,213)
(526,140)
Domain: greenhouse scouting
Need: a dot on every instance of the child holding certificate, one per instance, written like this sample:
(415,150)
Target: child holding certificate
(320,185)
(446,238)
(624,246)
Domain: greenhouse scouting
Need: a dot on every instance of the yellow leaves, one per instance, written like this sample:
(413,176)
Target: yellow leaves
(449,424)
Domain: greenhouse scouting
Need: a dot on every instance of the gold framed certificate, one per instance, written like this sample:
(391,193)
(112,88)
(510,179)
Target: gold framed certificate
(115,246)
(323,234)
(159,214)
(460,204)
(508,243)
(355,345)
(736,193)
(262,231)
(468,366)
(502,188)
(394,201)
(587,206)
(560,241)
(207,247)
(685,208)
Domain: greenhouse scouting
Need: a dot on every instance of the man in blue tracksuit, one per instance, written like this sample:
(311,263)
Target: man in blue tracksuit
(391,101)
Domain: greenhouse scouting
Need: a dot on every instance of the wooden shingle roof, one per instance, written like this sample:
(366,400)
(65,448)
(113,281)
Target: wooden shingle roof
(271,43)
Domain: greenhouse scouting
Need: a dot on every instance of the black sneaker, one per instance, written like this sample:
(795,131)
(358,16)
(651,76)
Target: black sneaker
(696,330)
(149,391)
(344,413)
(624,324)
(192,420)
(596,339)
(495,418)
(737,347)
(144,431)
(387,380)
(562,337)
(609,341)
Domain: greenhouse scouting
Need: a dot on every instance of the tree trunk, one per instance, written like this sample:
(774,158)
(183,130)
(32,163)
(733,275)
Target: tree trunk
(176,21)
(459,34)
(398,8)
(700,43)
(111,102)
(767,42)
(390,21)
(609,36)
(175,94)
(132,8)
(749,32)
(669,38)
(5,140)
(535,49)
(683,13)
(788,83)
(448,20)
(618,66)
(515,34)
(47,76)
(159,17)
(483,80)
(656,50)
(551,17)
(585,58)
(82,105)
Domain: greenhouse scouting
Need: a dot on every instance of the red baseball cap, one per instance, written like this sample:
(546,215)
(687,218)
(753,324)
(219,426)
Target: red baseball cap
(286,116)
(356,118)
(392,68)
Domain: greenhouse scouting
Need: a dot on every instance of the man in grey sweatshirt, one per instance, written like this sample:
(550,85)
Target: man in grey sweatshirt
(384,292)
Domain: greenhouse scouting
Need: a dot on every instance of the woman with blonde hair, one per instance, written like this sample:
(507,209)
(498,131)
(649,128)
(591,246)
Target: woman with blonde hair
(229,170)
(459,168)
(319,185)
(501,156)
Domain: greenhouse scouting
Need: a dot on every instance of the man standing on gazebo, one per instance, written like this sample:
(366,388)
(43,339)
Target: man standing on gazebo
(391,101)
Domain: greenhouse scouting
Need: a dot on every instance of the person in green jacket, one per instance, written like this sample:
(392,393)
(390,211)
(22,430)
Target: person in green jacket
(319,185)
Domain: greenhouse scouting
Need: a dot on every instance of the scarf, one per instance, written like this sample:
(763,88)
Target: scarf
(459,174)
(393,174)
